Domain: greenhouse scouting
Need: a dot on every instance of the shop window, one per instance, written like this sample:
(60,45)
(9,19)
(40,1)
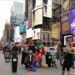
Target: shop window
(48,44)
(44,37)
(48,37)
(44,43)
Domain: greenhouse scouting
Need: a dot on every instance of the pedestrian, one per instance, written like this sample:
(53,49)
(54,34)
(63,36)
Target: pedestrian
(29,59)
(59,56)
(24,53)
(14,53)
(68,59)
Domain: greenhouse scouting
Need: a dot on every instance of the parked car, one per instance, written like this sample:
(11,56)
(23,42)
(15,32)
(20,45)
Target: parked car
(52,50)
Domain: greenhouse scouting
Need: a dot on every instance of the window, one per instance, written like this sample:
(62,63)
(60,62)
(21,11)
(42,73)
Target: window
(44,37)
(48,44)
(44,43)
(72,5)
(48,37)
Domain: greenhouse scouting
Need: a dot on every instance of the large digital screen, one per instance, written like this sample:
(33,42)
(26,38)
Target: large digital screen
(22,27)
(17,36)
(65,23)
(37,14)
(36,34)
(47,8)
(29,33)
(72,21)
(67,39)
(65,5)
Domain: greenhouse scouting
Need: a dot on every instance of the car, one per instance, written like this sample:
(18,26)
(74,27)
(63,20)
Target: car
(52,50)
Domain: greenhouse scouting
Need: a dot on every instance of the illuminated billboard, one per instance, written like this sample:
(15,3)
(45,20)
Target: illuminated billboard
(47,8)
(22,27)
(67,39)
(17,36)
(72,21)
(65,23)
(37,15)
(36,34)
(29,33)
(65,5)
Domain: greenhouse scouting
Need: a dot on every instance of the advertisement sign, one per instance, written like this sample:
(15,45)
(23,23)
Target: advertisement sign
(72,21)
(36,34)
(47,8)
(29,33)
(65,23)
(67,39)
(17,36)
(26,24)
(74,38)
(37,13)
(13,19)
(22,27)
(65,18)
(56,31)
(65,27)
(65,5)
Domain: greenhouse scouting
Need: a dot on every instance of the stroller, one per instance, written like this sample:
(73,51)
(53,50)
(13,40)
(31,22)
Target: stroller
(7,56)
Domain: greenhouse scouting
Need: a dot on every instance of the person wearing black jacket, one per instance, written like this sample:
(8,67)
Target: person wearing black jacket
(14,53)
(24,53)
(68,59)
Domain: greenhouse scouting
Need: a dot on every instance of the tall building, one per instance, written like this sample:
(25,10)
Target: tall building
(17,14)
(39,14)
(7,33)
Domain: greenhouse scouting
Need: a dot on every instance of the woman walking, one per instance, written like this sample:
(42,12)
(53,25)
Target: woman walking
(68,59)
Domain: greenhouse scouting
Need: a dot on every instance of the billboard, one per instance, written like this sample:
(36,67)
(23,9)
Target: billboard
(17,36)
(65,5)
(13,19)
(26,24)
(56,31)
(37,15)
(22,27)
(36,34)
(72,21)
(47,8)
(67,39)
(65,23)
(29,33)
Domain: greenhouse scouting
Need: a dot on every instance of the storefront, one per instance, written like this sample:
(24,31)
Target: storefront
(68,26)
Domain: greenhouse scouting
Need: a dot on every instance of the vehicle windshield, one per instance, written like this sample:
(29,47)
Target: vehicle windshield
(52,49)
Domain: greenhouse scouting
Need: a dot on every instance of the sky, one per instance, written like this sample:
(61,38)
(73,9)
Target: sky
(5,12)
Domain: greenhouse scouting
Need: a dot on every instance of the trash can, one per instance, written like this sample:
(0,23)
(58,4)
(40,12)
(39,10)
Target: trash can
(14,64)
(48,59)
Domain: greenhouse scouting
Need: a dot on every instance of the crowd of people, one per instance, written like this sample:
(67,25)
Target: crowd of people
(32,55)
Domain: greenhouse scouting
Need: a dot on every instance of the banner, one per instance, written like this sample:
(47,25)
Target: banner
(72,21)
(65,23)
(17,36)
(36,34)
(67,39)
(65,5)
(22,28)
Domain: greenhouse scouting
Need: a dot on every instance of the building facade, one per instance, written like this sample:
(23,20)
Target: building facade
(17,14)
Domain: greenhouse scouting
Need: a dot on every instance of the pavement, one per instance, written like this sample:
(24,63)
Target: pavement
(5,69)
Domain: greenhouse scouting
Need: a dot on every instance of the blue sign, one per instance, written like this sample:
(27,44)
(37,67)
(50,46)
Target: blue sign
(22,27)
(13,19)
